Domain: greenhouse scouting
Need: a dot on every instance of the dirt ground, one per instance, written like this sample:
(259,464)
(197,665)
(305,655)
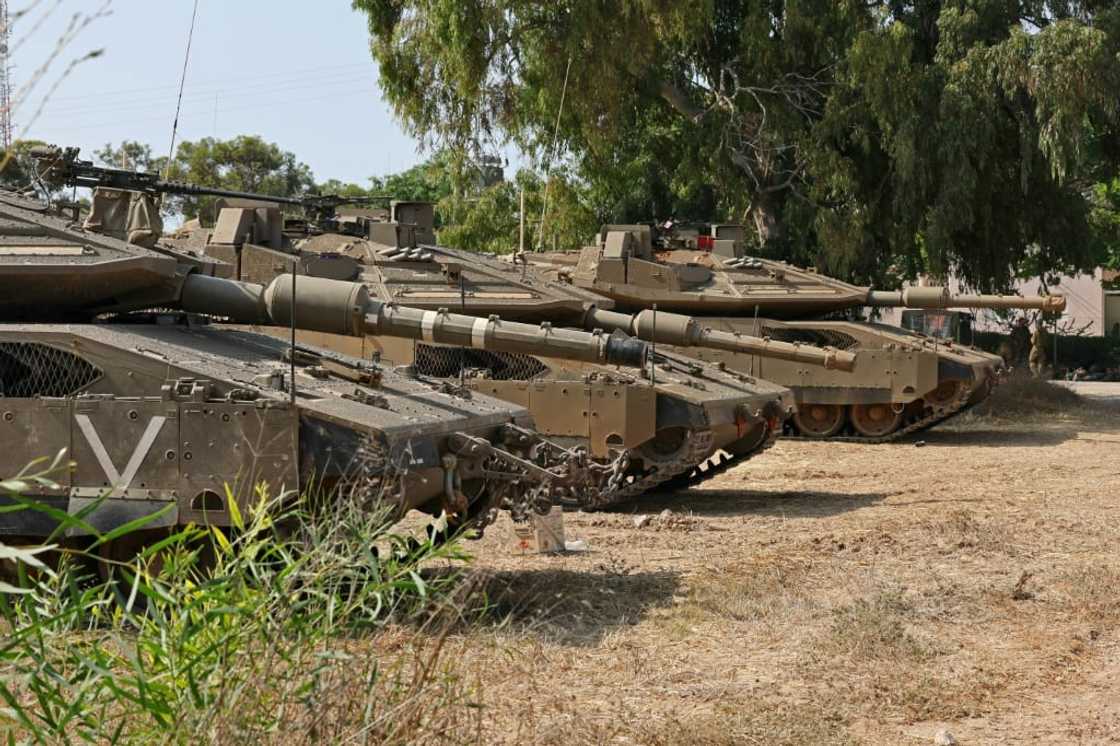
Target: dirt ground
(967,579)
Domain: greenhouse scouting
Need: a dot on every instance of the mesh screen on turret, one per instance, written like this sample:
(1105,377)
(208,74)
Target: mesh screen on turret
(819,337)
(29,369)
(448,362)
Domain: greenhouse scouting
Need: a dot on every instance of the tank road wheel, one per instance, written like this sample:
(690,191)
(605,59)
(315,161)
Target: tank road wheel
(875,420)
(819,420)
(945,393)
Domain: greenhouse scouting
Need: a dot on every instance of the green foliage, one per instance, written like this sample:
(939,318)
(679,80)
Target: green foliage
(873,139)
(16,165)
(488,220)
(1105,219)
(273,636)
(1074,351)
(131,155)
(246,163)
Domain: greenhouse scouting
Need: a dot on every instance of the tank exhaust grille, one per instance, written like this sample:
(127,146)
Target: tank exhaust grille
(818,337)
(30,369)
(447,362)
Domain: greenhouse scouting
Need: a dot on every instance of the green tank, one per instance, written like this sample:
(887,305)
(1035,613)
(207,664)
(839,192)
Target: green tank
(901,382)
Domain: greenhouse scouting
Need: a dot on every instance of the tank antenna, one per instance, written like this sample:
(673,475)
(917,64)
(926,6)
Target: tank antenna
(292,351)
(548,166)
(182,83)
(755,334)
(462,351)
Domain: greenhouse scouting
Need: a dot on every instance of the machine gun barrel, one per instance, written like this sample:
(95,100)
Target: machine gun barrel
(684,331)
(941,298)
(337,307)
(61,166)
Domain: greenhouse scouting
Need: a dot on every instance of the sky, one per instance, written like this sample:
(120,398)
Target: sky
(297,74)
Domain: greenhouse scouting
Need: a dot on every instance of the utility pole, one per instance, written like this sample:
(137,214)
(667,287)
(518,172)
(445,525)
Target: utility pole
(5,78)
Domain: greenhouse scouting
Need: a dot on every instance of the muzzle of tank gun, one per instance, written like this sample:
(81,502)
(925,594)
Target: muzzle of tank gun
(338,307)
(684,331)
(941,298)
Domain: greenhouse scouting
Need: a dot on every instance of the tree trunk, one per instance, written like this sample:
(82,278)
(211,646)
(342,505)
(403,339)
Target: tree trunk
(765,214)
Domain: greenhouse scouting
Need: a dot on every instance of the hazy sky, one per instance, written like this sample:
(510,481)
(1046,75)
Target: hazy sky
(296,73)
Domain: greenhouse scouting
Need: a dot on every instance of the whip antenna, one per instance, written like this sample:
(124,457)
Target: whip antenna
(182,83)
(548,167)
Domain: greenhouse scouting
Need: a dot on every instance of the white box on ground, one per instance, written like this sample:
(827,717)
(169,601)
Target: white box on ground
(543,534)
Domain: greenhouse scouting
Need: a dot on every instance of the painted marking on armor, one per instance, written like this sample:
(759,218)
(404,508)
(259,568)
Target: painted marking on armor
(428,325)
(118,480)
(478,333)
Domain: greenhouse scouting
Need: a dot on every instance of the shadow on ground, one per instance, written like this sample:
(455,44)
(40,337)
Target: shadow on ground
(725,503)
(982,437)
(572,607)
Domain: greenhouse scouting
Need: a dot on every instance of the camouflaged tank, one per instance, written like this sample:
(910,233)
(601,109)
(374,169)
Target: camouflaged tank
(106,354)
(681,419)
(901,382)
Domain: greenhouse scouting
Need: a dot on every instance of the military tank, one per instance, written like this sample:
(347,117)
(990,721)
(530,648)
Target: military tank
(106,353)
(901,382)
(680,420)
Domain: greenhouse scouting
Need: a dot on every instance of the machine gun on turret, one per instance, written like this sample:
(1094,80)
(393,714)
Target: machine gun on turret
(61,167)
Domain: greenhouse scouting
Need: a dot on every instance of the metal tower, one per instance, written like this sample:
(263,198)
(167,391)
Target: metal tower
(5,78)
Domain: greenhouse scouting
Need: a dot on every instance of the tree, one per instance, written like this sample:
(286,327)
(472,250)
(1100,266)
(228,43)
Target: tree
(489,219)
(246,163)
(16,166)
(132,156)
(1105,219)
(870,137)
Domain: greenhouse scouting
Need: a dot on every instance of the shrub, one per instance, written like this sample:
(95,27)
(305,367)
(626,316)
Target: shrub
(269,631)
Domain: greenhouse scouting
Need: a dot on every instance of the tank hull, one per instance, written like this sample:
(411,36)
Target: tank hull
(689,423)
(901,383)
(171,422)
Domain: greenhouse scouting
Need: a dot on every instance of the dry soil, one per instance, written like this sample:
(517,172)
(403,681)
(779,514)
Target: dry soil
(967,579)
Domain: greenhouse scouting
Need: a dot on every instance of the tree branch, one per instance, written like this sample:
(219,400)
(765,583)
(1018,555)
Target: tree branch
(679,100)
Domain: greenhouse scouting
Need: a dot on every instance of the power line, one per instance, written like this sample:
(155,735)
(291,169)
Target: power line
(223,82)
(208,96)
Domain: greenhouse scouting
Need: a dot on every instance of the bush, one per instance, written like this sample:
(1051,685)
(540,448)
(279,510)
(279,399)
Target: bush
(1073,351)
(273,637)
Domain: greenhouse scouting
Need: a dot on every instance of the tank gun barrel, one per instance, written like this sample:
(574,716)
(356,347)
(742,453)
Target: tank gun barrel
(683,331)
(941,298)
(338,307)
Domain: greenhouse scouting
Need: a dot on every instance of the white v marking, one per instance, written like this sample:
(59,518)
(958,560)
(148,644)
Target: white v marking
(118,480)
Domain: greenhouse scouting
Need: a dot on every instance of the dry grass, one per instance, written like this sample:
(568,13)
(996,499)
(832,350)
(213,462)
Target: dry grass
(767,590)
(1024,395)
(828,594)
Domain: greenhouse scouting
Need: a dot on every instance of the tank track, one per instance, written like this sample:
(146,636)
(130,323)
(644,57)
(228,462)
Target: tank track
(699,445)
(685,472)
(719,462)
(960,405)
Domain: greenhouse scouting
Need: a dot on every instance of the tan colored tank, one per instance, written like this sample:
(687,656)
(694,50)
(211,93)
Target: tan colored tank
(682,419)
(103,357)
(901,382)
